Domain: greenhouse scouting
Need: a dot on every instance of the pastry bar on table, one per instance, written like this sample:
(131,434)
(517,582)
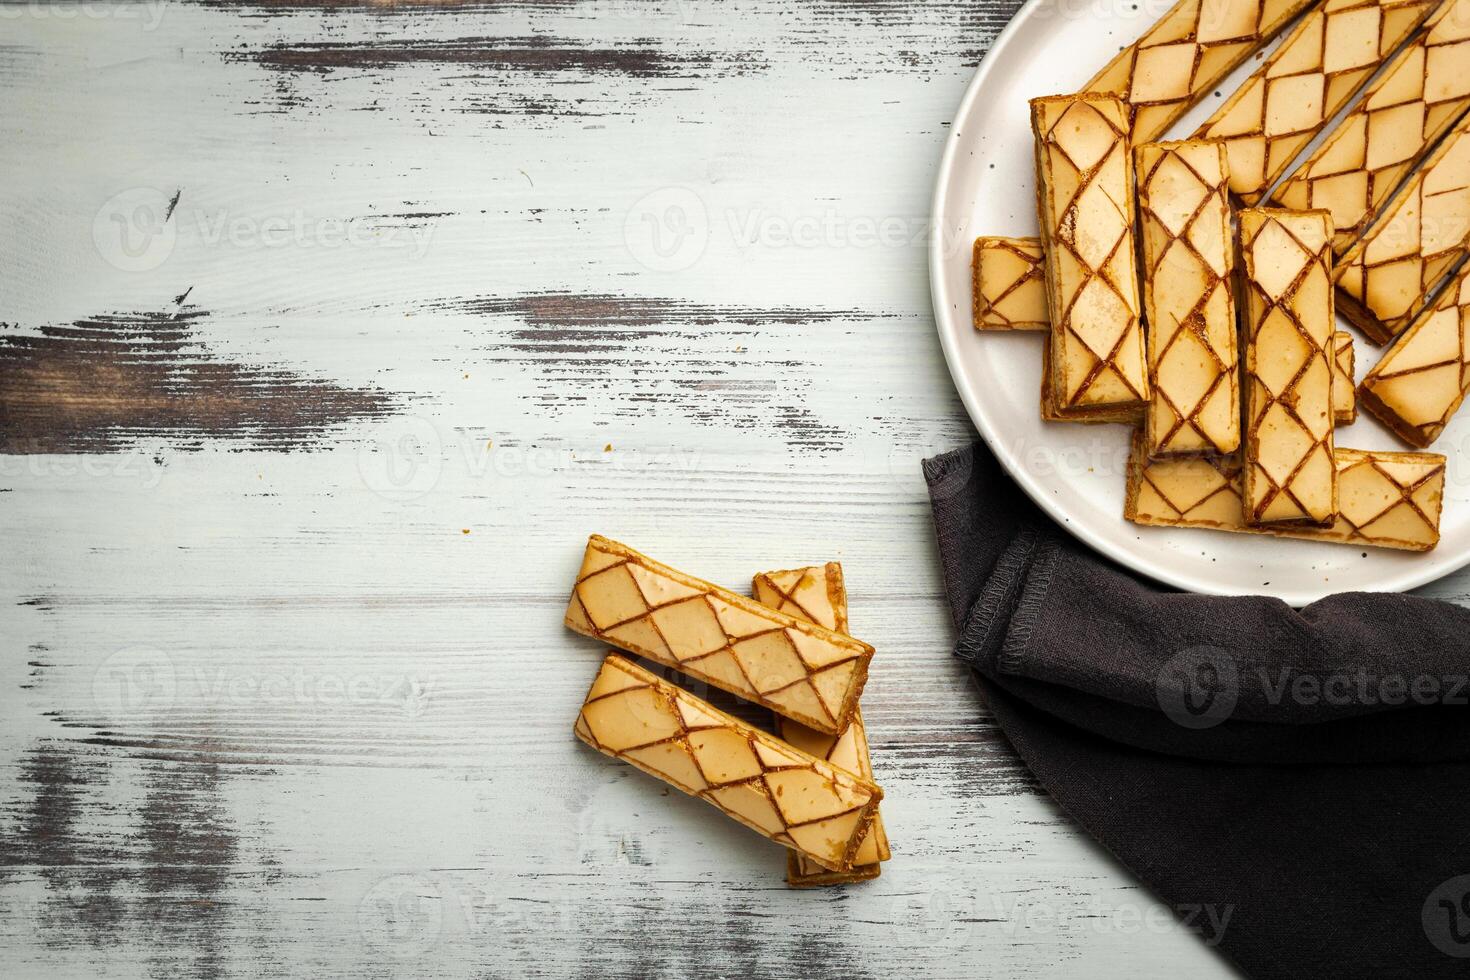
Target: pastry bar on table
(1387,278)
(1322,62)
(796,669)
(1420,382)
(819,595)
(1085,206)
(1181,59)
(1288,474)
(1009,279)
(1344,391)
(793,798)
(1388,500)
(1188,256)
(1398,119)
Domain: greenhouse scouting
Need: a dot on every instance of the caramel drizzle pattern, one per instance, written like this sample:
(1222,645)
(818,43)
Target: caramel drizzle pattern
(1198,86)
(1406,496)
(1260,80)
(1456,297)
(1194,321)
(985,305)
(666,694)
(1345,357)
(1359,307)
(1125,237)
(1438,117)
(1286,399)
(835,599)
(756,693)
(1229,470)
(803,871)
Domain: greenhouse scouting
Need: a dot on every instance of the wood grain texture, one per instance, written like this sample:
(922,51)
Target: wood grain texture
(289,693)
(101,384)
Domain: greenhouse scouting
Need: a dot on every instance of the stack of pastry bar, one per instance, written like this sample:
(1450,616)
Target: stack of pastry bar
(810,785)
(1190,288)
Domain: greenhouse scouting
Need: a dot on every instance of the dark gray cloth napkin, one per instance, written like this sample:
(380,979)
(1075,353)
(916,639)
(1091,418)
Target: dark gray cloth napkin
(1294,783)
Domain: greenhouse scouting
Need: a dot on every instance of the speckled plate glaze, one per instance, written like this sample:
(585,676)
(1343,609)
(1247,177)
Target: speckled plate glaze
(986,186)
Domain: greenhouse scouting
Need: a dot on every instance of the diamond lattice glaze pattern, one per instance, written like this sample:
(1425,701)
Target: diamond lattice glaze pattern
(1388,500)
(1385,280)
(1050,412)
(1323,61)
(1421,381)
(1009,277)
(1085,201)
(796,669)
(1344,393)
(1185,54)
(1131,415)
(787,795)
(1289,476)
(1396,122)
(1188,257)
(819,595)
(812,595)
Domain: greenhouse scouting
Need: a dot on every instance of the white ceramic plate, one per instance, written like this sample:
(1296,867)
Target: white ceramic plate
(986,186)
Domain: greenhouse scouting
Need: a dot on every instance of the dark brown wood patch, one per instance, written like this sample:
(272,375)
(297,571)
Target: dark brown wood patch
(103,384)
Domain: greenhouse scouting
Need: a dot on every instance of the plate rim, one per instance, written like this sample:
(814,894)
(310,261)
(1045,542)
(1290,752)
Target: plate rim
(1402,582)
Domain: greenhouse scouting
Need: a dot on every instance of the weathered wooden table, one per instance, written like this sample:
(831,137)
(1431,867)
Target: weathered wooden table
(331,330)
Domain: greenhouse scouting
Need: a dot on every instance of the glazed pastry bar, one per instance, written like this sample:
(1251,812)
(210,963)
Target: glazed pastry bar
(1288,473)
(1385,280)
(1420,382)
(796,669)
(1184,56)
(1388,500)
(1344,393)
(1010,284)
(1345,405)
(1400,117)
(1325,60)
(1131,415)
(1085,205)
(1188,256)
(814,595)
(795,799)
(820,596)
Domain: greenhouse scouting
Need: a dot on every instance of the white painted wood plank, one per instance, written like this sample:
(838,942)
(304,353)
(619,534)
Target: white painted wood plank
(270,712)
